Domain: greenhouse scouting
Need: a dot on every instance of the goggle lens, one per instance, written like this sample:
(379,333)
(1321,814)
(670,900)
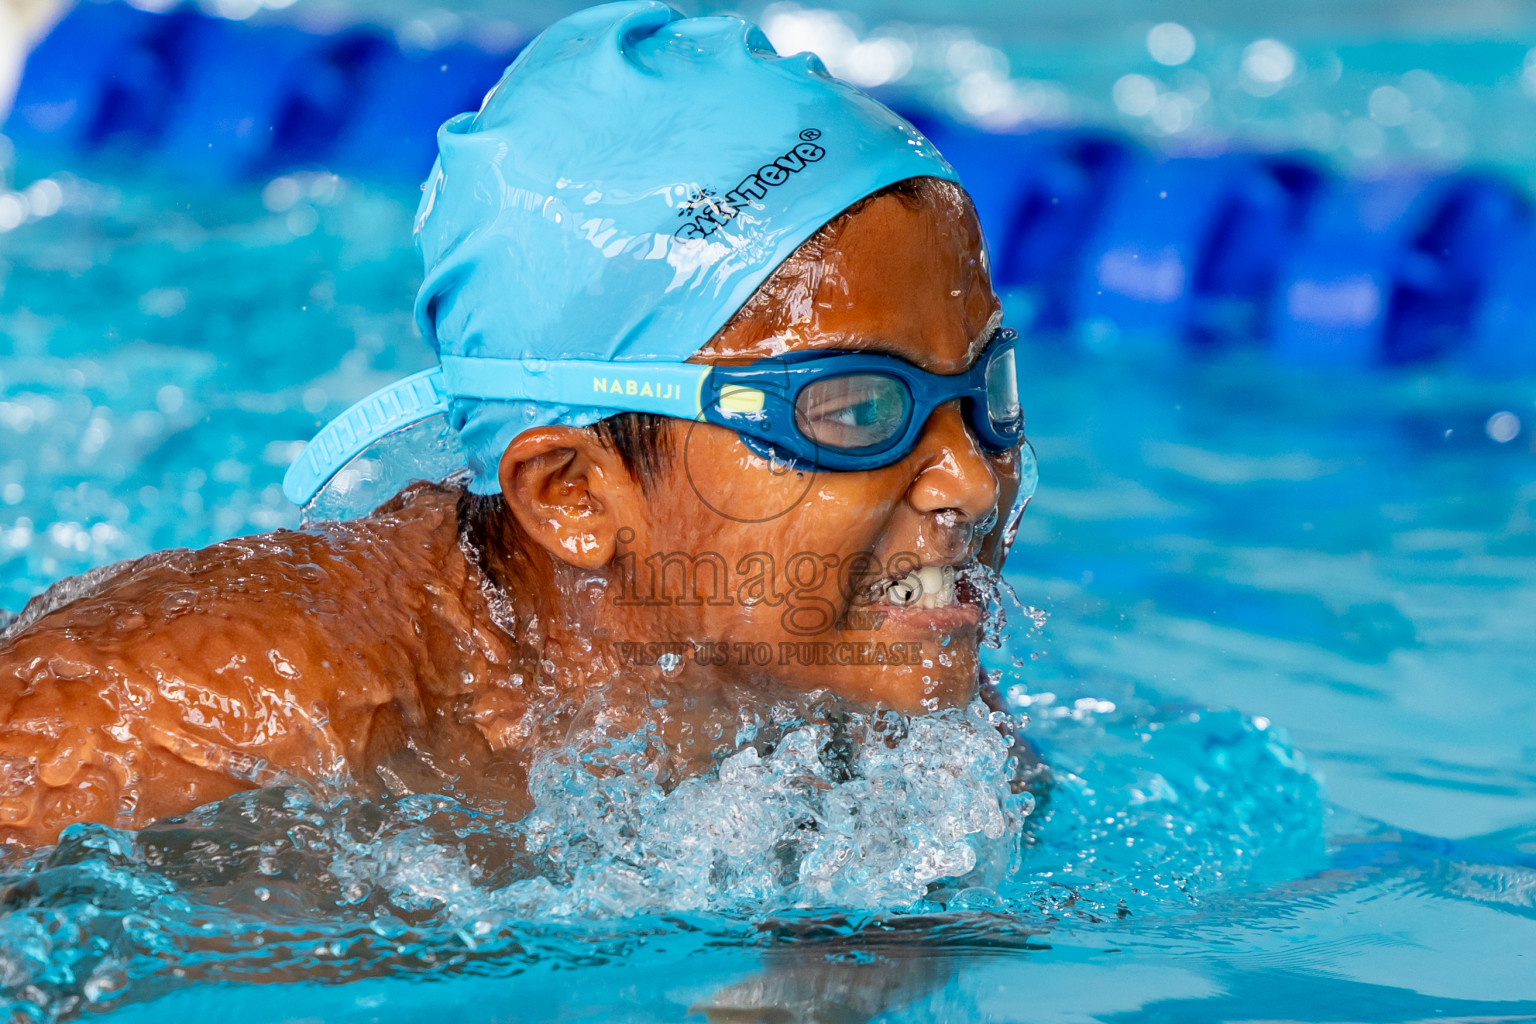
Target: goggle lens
(1003,408)
(860,410)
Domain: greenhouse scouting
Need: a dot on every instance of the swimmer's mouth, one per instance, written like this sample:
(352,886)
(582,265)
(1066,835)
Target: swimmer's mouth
(931,587)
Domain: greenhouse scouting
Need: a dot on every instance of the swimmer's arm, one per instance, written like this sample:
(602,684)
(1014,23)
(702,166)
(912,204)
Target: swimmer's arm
(189,675)
(167,689)
(67,754)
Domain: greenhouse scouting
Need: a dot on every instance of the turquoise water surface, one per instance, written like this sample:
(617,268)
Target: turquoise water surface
(1284,683)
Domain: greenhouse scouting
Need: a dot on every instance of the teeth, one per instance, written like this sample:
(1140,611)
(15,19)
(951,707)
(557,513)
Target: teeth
(906,591)
(932,579)
(932,586)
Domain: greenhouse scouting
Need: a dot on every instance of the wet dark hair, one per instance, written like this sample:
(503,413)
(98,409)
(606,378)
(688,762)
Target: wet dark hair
(642,440)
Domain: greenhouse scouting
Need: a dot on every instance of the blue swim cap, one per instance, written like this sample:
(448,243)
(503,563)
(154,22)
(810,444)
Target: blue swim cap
(623,190)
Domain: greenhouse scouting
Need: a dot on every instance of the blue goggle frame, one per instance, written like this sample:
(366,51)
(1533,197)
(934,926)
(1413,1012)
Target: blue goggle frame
(777,424)
(758,401)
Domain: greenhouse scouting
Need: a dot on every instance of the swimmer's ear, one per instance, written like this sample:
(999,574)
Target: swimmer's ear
(566,489)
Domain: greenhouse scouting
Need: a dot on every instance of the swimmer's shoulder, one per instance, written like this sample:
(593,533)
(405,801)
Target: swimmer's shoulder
(150,687)
(247,640)
(387,563)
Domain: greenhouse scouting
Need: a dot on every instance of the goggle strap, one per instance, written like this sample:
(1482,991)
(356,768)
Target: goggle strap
(402,404)
(665,389)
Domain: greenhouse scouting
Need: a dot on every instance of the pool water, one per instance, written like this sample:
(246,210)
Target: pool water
(1283,678)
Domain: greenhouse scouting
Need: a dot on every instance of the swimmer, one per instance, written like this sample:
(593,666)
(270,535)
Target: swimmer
(742,425)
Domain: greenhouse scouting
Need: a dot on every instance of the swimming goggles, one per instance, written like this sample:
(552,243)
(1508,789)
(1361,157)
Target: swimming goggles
(820,410)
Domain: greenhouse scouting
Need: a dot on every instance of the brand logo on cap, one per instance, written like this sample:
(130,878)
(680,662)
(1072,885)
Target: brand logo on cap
(707,212)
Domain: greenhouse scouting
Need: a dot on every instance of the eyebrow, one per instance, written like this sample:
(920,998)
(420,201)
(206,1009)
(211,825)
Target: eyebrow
(973,348)
(978,343)
(879,346)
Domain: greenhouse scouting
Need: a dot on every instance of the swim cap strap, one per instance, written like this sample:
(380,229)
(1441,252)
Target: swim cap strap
(400,405)
(663,388)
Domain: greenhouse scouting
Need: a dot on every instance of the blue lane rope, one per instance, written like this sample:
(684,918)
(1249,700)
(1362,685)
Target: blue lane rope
(1109,242)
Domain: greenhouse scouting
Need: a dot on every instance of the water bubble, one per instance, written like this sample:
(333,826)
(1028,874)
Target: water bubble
(105,982)
(281,194)
(1267,65)
(13,211)
(1389,106)
(878,61)
(1170,43)
(169,399)
(302,220)
(1135,95)
(1503,427)
(44,197)
(1174,113)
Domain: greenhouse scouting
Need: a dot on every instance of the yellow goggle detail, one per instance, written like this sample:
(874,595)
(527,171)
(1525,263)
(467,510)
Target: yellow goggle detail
(740,399)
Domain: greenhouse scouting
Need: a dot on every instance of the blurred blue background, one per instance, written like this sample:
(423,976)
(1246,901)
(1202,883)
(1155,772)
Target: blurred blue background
(1345,187)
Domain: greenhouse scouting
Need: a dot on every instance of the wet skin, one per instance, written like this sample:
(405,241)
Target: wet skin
(390,653)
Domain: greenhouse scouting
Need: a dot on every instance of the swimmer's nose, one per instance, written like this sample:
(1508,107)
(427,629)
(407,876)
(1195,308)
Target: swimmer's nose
(953,472)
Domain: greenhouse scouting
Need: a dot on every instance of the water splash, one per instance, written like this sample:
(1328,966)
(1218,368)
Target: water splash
(854,811)
(846,810)
(831,818)
(1157,809)
(69,589)
(996,596)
